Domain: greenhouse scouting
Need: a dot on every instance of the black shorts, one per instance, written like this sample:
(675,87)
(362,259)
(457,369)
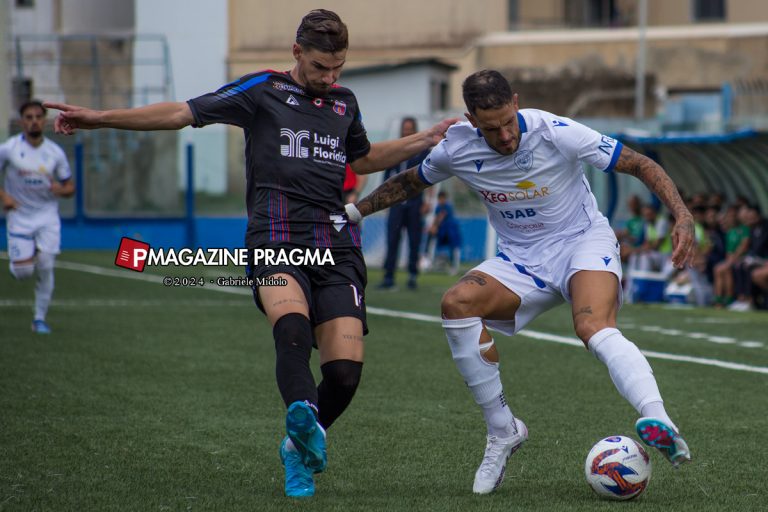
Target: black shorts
(332,291)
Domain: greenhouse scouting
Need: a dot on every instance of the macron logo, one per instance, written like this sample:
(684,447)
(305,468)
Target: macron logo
(607,260)
(478,164)
(294,148)
(558,122)
(132,254)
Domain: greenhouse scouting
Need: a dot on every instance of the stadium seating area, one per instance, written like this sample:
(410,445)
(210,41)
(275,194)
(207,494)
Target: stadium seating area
(730,268)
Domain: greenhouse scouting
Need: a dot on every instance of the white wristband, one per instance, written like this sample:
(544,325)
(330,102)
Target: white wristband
(353,213)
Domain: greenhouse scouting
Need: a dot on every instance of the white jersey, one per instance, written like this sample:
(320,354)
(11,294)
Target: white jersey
(29,172)
(537,195)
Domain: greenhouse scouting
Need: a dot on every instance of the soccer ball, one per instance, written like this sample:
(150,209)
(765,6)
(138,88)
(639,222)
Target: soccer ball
(618,468)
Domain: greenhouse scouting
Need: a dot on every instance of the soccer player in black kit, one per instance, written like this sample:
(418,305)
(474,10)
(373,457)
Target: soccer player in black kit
(300,130)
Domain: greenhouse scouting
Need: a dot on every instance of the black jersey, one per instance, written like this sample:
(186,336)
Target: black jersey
(296,149)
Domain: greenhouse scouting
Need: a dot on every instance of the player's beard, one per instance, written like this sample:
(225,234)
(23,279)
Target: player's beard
(35,134)
(317,92)
(508,150)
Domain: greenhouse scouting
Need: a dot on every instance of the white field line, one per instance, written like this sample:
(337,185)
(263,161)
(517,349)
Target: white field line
(564,340)
(721,340)
(122,303)
(126,274)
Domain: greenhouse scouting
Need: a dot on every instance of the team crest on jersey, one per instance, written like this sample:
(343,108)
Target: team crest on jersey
(524,160)
(339,107)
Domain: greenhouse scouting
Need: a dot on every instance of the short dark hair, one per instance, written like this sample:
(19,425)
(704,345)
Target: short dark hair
(32,103)
(409,119)
(486,89)
(322,30)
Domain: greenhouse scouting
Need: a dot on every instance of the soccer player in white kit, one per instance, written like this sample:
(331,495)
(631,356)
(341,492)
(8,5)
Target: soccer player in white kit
(36,175)
(554,245)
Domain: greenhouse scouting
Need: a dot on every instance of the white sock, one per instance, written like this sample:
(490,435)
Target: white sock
(482,377)
(44,284)
(630,372)
(656,410)
(499,418)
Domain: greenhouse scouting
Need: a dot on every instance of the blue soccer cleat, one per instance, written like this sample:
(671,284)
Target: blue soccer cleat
(656,433)
(40,327)
(299,482)
(307,435)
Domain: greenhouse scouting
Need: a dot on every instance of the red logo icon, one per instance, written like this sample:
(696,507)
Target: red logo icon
(132,254)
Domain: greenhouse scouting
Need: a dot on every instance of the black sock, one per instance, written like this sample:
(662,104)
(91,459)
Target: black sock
(293,346)
(340,380)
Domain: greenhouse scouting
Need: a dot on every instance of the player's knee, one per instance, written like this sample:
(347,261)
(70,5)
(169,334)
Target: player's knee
(343,375)
(45,260)
(457,303)
(586,327)
(22,270)
(292,333)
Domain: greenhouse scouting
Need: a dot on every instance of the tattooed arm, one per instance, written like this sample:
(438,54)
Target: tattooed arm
(396,189)
(659,182)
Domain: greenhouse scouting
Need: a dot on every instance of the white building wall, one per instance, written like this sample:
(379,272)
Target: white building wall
(196,32)
(95,16)
(5,70)
(37,23)
(386,97)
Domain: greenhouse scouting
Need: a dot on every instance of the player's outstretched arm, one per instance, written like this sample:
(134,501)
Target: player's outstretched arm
(395,190)
(384,155)
(159,116)
(659,182)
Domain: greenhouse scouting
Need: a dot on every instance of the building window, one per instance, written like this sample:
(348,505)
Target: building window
(513,10)
(25,4)
(591,13)
(439,95)
(709,10)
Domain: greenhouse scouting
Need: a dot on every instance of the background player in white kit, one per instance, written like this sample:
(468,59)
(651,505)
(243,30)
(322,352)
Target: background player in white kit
(554,245)
(36,175)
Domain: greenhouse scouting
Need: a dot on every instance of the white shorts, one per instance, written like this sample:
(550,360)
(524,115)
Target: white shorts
(542,286)
(27,233)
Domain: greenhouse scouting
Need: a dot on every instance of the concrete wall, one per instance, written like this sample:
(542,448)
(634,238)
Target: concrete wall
(266,24)
(197,42)
(679,57)
(386,97)
(682,56)
(95,16)
(5,72)
(40,56)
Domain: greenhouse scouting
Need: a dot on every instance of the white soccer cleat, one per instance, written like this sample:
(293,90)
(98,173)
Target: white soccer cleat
(490,474)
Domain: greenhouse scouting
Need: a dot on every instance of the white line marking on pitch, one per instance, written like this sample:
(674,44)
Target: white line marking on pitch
(722,340)
(121,303)
(125,274)
(577,343)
